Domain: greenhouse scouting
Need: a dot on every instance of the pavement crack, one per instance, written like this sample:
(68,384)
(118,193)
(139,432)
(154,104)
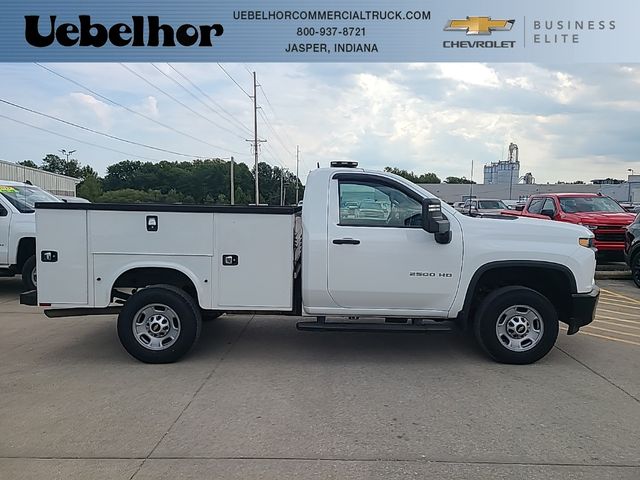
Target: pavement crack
(202,384)
(445,461)
(599,374)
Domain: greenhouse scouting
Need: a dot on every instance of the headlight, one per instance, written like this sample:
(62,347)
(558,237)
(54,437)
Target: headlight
(586,242)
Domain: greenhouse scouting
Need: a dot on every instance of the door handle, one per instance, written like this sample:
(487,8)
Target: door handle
(346,241)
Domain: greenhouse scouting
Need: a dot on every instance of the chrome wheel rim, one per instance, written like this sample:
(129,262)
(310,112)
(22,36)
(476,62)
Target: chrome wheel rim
(34,277)
(519,328)
(156,326)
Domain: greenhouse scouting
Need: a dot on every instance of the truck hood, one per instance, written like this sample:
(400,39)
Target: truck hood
(526,227)
(601,218)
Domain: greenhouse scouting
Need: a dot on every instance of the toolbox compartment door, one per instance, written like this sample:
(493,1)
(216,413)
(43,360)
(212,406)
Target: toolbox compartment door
(61,256)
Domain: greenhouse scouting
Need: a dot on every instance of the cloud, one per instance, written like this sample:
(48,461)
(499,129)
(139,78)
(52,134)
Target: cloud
(570,121)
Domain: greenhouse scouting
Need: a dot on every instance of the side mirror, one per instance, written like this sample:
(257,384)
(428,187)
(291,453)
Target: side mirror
(548,213)
(434,222)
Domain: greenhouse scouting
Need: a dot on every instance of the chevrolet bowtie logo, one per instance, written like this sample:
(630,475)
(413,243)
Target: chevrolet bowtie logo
(479,25)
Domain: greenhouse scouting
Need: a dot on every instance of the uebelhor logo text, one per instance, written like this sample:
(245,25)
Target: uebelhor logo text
(120,34)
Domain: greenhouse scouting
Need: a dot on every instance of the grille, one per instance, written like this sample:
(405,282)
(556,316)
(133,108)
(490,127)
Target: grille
(609,236)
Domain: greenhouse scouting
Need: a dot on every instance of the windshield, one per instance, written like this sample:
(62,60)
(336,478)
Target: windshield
(589,204)
(25,197)
(492,204)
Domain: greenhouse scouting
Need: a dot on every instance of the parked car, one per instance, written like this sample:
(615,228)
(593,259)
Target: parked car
(632,249)
(161,267)
(371,209)
(600,214)
(68,199)
(18,229)
(483,206)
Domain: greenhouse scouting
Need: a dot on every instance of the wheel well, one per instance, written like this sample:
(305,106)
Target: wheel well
(26,248)
(554,283)
(145,276)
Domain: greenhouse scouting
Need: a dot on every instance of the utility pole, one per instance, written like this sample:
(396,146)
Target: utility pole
(297,171)
(255,140)
(282,186)
(255,135)
(471,189)
(233,188)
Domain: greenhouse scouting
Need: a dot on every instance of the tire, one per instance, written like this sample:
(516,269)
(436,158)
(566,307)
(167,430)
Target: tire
(159,324)
(635,269)
(516,325)
(208,315)
(29,277)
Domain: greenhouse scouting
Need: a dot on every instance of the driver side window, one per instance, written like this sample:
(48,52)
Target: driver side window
(372,204)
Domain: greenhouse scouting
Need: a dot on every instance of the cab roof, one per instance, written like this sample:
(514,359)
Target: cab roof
(567,195)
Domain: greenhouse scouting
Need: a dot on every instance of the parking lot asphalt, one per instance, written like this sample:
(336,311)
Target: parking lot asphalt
(258,399)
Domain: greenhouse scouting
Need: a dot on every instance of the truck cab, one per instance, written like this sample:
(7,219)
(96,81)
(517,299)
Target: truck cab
(18,228)
(410,263)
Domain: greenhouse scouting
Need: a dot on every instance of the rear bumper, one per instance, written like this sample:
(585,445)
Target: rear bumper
(29,298)
(583,309)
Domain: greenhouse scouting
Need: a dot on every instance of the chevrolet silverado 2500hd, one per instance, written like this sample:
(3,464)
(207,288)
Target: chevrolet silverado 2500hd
(18,229)
(162,268)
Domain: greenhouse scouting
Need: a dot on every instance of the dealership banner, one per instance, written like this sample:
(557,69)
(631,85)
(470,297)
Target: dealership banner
(320,31)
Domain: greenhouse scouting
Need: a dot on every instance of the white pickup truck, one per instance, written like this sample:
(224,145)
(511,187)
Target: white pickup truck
(18,229)
(406,263)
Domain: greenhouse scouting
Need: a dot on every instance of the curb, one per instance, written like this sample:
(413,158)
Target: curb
(613,275)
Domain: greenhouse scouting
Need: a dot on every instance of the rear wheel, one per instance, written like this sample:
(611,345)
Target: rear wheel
(516,325)
(159,324)
(29,274)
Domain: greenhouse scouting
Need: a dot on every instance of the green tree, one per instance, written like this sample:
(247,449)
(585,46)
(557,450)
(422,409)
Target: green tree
(90,188)
(28,163)
(412,177)
(458,180)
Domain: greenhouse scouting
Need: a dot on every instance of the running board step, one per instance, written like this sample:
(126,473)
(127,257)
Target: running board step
(434,327)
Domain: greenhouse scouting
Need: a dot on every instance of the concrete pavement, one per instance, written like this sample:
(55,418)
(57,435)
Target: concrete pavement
(257,398)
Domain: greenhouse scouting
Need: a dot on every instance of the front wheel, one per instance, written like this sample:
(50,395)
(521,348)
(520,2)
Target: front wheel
(29,275)
(516,325)
(635,269)
(159,324)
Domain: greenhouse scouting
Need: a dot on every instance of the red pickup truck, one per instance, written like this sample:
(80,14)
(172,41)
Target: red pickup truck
(601,214)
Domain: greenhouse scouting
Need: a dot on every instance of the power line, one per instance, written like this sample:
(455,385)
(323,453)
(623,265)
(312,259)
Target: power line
(169,127)
(230,115)
(266,97)
(151,84)
(234,81)
(78,140)
(199,100)
(271,127)
(108,135)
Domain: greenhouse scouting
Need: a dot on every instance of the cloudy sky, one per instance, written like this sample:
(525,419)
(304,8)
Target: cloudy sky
(570,122)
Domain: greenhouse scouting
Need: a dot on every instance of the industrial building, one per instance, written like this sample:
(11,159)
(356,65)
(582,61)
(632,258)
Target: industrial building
(51,182)
(504,172)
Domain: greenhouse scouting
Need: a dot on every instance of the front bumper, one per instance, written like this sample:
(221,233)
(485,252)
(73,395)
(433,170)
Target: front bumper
(583,309)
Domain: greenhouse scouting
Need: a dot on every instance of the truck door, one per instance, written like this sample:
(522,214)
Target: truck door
(5,221)
(379,256)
